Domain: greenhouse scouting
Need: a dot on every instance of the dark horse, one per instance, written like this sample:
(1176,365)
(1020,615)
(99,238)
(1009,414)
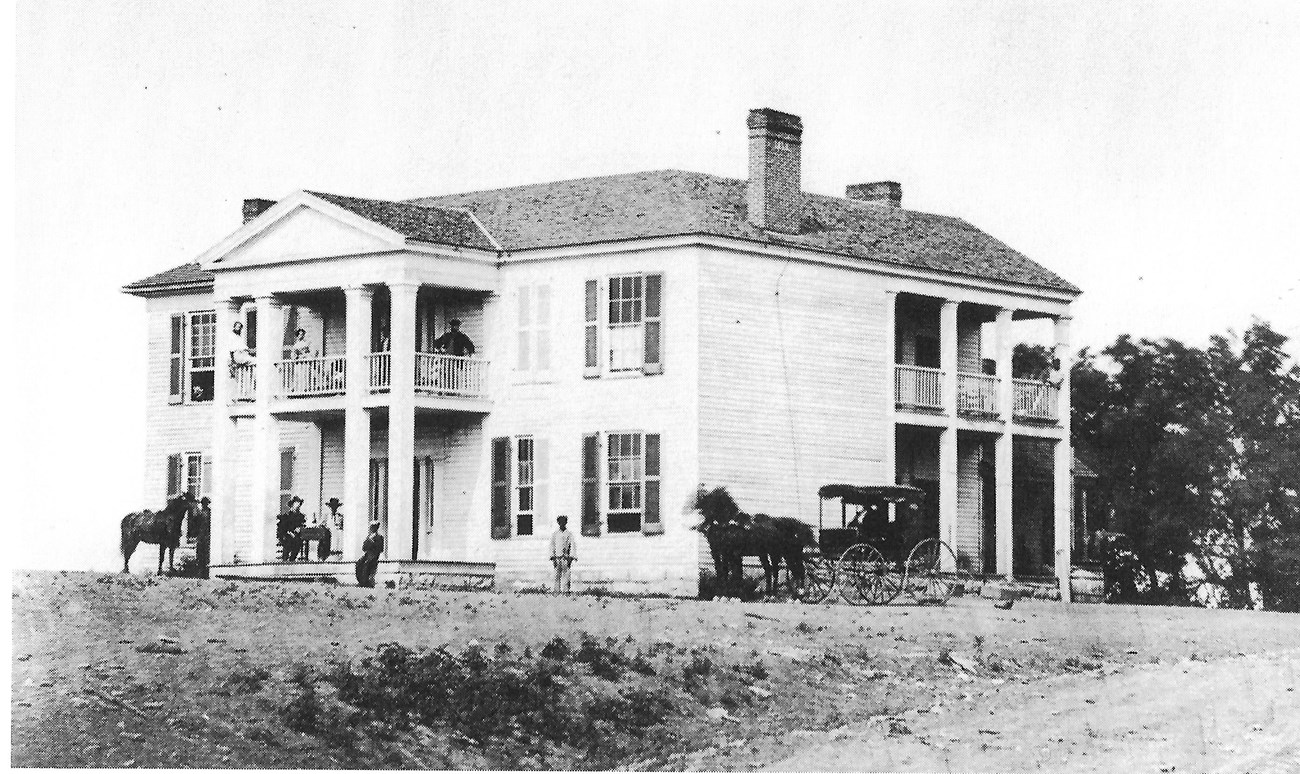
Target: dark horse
(162,528)
(734,534)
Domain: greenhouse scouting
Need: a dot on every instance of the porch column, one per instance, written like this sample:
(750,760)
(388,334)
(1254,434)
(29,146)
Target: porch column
(1064,458)
(1003,523)
(356,428)
(948,438)
(401,420)
(222,486)
(891,427)
(265,478)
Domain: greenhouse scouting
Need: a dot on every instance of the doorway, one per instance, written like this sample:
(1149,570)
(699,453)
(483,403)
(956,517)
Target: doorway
(423,507)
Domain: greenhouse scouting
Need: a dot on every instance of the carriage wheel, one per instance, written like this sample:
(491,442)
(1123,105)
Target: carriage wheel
(818,579)
(865,578)
(933,573)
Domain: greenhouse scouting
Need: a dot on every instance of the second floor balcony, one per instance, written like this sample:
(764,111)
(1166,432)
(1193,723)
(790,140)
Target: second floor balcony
(435,374)
(917,388)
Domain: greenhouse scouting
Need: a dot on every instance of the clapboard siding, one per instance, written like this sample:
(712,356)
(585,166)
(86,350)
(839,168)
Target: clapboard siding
(242,517)
(793,380)
(968,345)
(970,493)
(169,428)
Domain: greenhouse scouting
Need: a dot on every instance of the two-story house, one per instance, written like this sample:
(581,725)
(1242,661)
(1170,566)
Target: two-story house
(636,336)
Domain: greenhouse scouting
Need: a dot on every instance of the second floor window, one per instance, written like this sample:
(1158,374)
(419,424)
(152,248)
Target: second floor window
(193,357)
(623,325)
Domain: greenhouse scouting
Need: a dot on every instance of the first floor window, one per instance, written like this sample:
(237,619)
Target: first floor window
(188,473)
(518,485)
(524,489)
(623,482)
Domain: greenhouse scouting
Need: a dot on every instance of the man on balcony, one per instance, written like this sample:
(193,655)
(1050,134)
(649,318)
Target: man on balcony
(454,342)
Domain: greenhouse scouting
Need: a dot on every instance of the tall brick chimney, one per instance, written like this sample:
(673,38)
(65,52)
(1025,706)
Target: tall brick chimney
(774,197)
(255,207)
(885,192)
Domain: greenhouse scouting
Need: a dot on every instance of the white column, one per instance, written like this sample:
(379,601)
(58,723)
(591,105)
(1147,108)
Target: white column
(222,486)
(891,420)
(1063,459)
(356,428)
(1003,518)
(401,420)
(948,439)
(265,478)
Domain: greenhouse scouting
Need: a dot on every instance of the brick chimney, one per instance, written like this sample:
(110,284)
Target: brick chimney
(774,197)
(885,192)
(255,207)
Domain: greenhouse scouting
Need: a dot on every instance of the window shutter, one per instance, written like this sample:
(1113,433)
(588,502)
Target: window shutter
(176,383)
(591,330)
(175,474)
(542,326)
(591,485)
(500,488)
(288,337)
(651,522)
(654,324)
(205,480)
(286,477)
(525,328)
(541,478)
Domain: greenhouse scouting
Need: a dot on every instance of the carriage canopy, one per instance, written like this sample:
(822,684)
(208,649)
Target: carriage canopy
(870,496)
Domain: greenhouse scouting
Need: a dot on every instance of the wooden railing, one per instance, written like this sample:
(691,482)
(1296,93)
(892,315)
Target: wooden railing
(450,375)
(312,376)
(977,394)
(1035,400)
(381,370)
(918,386)
(244,377)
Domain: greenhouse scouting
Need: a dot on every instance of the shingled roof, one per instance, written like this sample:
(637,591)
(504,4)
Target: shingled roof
(185,277)
(674,203)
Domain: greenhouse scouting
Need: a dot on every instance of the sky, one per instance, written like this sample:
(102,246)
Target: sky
(1145,151)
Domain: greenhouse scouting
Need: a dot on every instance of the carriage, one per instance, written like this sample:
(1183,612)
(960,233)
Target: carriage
(885,549)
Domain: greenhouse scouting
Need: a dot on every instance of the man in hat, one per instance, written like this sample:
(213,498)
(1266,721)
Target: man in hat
(454,342)
(371,549)
(201,529)
(288,529)
(563,554)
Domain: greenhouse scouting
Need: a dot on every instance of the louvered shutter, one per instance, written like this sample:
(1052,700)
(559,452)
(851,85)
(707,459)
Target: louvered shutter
(175,474)
(541,480)
(525,329)
(287,456)
(176,382)
(591,330)
(654,324)
(651,522)
(591,485)
(500,488)
(542,328)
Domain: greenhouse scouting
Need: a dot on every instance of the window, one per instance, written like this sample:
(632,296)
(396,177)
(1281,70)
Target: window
(631,325)
(192,357)
(534,345)
(524,493)
(630,486)
(188,473)
(519,482)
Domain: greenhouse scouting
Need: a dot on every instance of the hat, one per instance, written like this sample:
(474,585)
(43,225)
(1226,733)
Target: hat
(295,499)
(334,503)
(374,525)
(455,323)
(561,519)
(206,501)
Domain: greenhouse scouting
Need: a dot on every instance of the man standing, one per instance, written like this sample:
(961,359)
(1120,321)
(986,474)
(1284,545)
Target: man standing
(201,530)
(563,554)
(371,550)
(454,342)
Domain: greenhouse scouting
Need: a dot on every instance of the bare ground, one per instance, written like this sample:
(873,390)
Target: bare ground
(136,671)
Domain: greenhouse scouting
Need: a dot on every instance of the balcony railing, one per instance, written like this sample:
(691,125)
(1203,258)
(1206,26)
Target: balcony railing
(1035,400)
(450,375)
(919,387)
(312,376)
(381,370)
(244,381)
(977,394)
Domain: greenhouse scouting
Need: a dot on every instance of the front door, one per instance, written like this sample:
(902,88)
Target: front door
(423,503)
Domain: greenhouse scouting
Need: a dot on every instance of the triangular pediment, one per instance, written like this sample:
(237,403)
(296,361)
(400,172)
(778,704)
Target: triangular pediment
(301,227)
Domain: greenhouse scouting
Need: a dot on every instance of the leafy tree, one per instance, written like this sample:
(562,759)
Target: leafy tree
(1032,361)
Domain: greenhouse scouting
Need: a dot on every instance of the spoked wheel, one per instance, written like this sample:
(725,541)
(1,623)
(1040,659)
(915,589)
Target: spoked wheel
(865,578)
(818,579)
(933,574)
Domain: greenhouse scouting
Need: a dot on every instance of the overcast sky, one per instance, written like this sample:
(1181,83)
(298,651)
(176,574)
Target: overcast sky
(1146,152)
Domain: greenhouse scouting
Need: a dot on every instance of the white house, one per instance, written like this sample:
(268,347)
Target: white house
(635,336)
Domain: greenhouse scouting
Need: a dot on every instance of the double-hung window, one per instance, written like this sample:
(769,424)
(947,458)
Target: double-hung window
(620,484)
(525,491)
(623,325)
(192,355)
(534,339)
(188,473)
(519,481)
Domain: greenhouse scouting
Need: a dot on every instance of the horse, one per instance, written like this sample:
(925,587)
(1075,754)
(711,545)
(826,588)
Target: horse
(734,534)
(162,528)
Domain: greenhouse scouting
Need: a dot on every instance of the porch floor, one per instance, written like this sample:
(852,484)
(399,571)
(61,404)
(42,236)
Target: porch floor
(403,572)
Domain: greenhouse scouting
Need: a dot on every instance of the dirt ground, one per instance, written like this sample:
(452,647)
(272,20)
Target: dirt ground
(135,671)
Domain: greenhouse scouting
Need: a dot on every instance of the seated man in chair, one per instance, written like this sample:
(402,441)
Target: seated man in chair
(288,530)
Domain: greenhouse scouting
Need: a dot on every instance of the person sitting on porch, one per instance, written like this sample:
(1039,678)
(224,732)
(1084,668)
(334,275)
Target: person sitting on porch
(454,342)
(288,530)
